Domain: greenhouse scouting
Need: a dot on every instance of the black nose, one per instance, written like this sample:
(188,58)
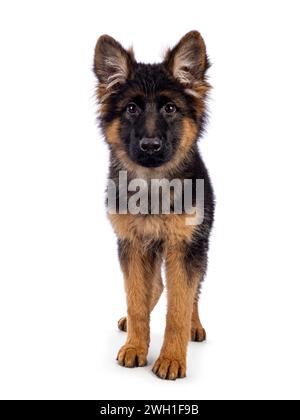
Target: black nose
(150,145)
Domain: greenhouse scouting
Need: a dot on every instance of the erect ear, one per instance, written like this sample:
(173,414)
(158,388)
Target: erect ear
(187,61)
(113,65)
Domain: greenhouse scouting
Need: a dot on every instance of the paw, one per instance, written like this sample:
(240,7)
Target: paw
(198,333)
(130,356)
(169,368)
(122,324)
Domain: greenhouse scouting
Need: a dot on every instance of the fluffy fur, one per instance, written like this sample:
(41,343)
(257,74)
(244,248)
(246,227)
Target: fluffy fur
(158,106)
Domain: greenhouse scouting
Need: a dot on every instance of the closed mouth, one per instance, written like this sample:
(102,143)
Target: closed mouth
(151,161)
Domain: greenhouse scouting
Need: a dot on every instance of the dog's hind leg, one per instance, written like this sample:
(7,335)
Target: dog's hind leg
(198,333)
(155,285)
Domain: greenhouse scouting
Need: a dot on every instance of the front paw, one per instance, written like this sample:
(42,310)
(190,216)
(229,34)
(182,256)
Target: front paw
(131,356)
(169,368)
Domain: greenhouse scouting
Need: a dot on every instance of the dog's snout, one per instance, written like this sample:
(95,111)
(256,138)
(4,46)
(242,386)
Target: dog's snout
(150,145)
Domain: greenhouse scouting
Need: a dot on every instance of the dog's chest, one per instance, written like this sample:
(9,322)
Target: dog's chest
(170,228)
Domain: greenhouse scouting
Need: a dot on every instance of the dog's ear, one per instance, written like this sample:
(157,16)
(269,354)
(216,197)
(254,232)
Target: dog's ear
(113,65)
(187,61)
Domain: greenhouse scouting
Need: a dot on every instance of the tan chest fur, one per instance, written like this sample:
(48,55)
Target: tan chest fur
(170,228)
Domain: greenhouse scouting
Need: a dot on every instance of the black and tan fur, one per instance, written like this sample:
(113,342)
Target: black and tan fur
(165,102)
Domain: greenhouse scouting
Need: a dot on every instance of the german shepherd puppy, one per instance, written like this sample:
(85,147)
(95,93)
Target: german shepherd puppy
(151,116)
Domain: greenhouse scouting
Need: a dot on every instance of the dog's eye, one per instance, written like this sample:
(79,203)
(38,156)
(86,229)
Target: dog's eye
(132,108)
(170,108)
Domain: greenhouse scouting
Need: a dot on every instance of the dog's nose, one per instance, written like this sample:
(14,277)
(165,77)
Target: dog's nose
(150,145)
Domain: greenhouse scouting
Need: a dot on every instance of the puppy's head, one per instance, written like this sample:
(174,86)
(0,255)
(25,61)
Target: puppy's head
(151,114)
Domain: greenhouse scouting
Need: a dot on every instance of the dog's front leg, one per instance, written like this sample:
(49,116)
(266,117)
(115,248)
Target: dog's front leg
(182,282)
(136,267)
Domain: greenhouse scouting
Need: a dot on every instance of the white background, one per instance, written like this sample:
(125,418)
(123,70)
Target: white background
(61,290)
